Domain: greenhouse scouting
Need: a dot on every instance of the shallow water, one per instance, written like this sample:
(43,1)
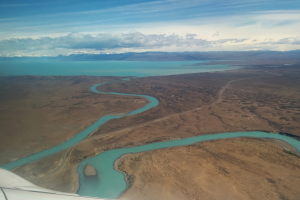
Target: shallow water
(110,183)
(106,68)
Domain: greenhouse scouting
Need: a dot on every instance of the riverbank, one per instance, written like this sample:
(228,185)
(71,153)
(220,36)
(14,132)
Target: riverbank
(51,109)
(257,102)
(240,168)
(111,184)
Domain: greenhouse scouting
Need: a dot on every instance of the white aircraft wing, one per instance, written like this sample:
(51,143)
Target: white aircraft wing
(13,187)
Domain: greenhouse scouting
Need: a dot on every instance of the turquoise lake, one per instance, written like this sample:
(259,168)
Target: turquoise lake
(106,68)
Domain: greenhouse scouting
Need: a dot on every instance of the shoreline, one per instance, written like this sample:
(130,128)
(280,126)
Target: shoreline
(119,153)
(129,180)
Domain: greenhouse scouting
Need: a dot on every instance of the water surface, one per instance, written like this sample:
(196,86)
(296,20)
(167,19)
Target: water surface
(110,183)
(106,68)
(152,102)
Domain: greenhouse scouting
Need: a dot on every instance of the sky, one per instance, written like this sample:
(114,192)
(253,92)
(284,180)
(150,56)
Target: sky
(64,27)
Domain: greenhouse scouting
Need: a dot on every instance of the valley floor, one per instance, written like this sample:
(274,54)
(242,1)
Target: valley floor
(254,98)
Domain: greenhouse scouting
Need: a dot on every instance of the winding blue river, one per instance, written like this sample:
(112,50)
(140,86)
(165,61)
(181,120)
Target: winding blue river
(152,102)
(110,183)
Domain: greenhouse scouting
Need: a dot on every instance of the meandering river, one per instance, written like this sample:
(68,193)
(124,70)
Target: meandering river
(152,102)
(110,183)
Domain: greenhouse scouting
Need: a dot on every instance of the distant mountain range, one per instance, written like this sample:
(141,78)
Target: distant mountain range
(233,56)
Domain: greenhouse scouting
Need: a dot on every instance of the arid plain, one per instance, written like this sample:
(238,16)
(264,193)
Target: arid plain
(266,98)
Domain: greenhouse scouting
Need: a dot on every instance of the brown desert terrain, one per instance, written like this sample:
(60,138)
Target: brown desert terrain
(40,112)
(226,169)
(256,98)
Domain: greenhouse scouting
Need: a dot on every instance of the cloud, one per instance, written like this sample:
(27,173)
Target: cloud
(73,43)
(46,17)
(135,42)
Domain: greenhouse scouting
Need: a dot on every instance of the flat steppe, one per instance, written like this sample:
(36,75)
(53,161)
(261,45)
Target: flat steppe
(40,112)
(230,169)
(263,98)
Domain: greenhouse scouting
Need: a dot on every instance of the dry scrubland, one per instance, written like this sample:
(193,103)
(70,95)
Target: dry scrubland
(230,169)
(257,98)
(40,112)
